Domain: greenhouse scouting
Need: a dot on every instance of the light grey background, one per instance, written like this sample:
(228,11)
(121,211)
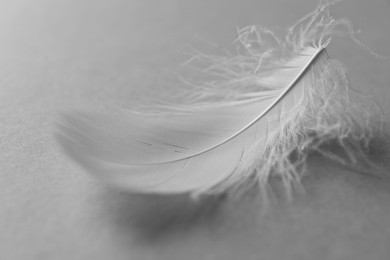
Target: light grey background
(60,53)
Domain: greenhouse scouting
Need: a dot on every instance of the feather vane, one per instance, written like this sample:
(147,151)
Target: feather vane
(270,105)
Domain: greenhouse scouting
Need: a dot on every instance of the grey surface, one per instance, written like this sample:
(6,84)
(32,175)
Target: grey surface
(58,53)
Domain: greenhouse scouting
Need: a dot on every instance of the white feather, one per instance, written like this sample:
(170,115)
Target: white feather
(271,106)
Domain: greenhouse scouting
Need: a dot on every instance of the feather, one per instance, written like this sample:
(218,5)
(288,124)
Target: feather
(259,116)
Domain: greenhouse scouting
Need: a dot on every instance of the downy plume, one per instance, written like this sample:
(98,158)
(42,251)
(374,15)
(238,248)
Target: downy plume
(260,114)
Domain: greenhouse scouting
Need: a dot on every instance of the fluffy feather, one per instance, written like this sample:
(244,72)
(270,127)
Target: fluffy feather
(261,114)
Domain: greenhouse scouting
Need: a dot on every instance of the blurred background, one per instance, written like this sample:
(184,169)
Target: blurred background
(56,54)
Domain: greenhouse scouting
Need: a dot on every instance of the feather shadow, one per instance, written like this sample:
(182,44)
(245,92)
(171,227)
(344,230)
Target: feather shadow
(156,218)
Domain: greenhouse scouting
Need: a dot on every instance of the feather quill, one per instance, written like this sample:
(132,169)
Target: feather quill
(260,116)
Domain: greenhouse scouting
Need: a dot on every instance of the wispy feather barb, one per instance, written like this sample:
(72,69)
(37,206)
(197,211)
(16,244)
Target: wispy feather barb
(259,115)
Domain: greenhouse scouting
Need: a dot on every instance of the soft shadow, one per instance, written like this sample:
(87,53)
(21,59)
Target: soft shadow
(370,173)
(153,218)
(371,160)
